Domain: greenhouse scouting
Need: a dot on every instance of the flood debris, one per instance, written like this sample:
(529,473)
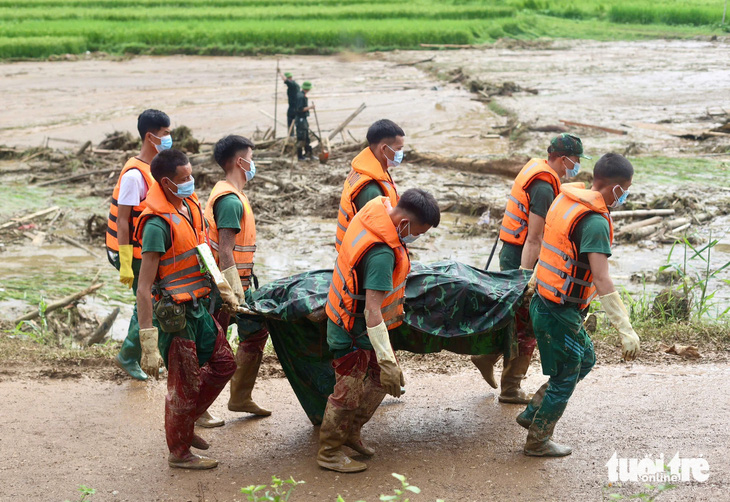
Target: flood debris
(36,313)
(685,351)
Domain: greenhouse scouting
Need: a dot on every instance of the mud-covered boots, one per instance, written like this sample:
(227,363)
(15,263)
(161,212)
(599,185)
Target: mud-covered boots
(209,421)
(538,442)
(242,382)
(512,375)
(372,397)
(525,418)
(485,364)
(333,434)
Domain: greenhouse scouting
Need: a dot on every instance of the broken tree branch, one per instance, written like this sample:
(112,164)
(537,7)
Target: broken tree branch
(349,119)
(61,303)
(641,212)
(600,128)
(503,167)
(29,217)
(77,176)
(103,329)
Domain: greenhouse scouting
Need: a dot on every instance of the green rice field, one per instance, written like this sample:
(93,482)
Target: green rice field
(43,28)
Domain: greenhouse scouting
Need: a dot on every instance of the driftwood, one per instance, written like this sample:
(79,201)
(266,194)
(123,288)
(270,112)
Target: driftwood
(29,217)
(448,46)
(76,243)
(83,148)
(416,62)
(638,224)
(103,329)
(61,303)
(349,119)
(600,128)
(77,176)
(641,212)
(509,167)
(667,226)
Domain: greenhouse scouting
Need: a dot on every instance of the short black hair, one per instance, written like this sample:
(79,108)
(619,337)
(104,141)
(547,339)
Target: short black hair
(151,120)
(422,205)
(165,164)
(613,167)
(226,148)
(383,129)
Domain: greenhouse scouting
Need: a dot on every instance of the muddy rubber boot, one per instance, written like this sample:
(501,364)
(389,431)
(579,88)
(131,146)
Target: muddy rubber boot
(512,375)
(525,418)
(485,364)
(372,397)
(192,461)
(128,358)
(199,443)
(209,421)
(538,442)
(242,382)
(332,435)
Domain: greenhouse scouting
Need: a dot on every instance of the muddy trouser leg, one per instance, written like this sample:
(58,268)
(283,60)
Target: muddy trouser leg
(248,361)
(373,394)
(131,350)
(515,369)
(191,389)
(342,404)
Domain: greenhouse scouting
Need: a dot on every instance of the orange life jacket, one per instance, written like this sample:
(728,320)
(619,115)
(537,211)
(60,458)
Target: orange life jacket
(365,168)
(111,227)
(245,246)
(517,213)
(371,226)
(560,276)
(178,272)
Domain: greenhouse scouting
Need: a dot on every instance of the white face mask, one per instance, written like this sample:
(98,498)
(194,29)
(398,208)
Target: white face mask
(408,238)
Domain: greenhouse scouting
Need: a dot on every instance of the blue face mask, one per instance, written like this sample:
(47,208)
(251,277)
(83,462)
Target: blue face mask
(573,172)
(620,199)
(251,172)
(184,190)
(408,238)
(165,143)
(397,157)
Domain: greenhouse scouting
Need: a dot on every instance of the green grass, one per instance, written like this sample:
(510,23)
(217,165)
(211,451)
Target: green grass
(671,170)
(41,28)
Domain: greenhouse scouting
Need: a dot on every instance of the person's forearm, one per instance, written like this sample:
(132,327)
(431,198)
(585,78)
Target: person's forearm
(144,307)
(123,232)
(604,285)
(373,317)
(227,241)
(530,253)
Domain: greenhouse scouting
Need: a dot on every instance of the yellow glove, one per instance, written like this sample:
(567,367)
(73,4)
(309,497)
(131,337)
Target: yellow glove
(151,361)
(126,275)
(234,280)
(619,317)
(391,376)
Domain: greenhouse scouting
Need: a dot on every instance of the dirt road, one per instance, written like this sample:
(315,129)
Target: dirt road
(448,435)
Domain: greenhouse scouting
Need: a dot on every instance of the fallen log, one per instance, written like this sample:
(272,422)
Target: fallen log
(448,46)
(416,62)
(641,213)
(79,176)
(77,244)
(349,119)
(103,329)
(29,217)
(590,126)
(509,167)
(643,223)
(669,225)
(61,303)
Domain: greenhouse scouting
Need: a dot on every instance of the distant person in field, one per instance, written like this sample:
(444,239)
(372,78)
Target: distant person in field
(292,93)
(572,269)
(192,344)
(128,202)
(370,174)
(534,189)
(304,149)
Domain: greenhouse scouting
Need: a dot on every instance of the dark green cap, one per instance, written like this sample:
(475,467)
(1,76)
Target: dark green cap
(568,145)
(288,74)
(306,85)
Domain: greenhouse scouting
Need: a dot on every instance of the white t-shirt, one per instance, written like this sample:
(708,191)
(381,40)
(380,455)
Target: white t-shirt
(132,188)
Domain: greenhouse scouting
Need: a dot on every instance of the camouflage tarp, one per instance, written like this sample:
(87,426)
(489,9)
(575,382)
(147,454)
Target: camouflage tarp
(449,306)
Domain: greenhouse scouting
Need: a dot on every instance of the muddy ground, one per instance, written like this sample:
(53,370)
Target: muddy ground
(67,426)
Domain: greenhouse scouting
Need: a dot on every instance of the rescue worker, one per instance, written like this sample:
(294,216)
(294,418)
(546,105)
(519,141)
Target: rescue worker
(370,175)
(128,202)
(194,348)
(232,232)
(572,269)
(303,107)
(292,93)
(534,189)
(365,300)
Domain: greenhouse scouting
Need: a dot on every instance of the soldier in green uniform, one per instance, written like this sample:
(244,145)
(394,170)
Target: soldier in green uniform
(572,269)
(303,107)
(292,92)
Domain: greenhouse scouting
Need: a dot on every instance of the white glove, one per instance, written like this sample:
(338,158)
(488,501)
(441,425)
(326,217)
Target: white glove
(151,361)
(230,302)
(619,317)
(391,376)
(234,280)
(531,284)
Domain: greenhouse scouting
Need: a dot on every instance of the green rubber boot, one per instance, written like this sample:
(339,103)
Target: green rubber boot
(131,351)
(525,418)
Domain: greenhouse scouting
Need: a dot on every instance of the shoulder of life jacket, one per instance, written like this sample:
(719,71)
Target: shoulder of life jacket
(561,277)
(245,245)
(371,226)
(178,272)
(517,212)
(111,228)
(365,168)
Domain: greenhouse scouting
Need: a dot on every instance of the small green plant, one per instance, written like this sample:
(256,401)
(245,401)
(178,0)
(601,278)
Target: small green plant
(399,494)
(38,330)
(279,491)
(649,494)
(85,492)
